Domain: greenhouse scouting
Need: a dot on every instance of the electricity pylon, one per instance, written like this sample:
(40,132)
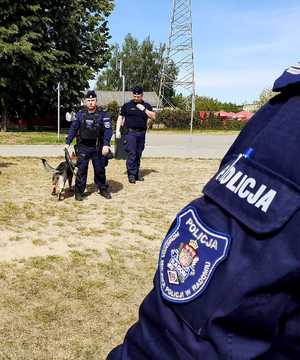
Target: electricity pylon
(179,54)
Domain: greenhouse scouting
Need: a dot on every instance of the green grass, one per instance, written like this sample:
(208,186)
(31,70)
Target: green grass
(10,211)
(30,138)
(79,305)
(74,307)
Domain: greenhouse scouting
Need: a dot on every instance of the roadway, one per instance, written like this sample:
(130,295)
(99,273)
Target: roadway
(203,146)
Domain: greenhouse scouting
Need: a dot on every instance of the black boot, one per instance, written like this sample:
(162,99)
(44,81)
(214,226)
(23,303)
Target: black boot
(131,179)
(79,196)
(139,178)
(105,193)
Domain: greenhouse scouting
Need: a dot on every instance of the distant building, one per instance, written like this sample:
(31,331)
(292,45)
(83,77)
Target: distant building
(250,107)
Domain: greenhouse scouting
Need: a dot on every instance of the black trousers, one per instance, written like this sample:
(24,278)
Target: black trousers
(85,154)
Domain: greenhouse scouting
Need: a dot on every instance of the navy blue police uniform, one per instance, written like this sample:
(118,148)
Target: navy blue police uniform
(228,278)
(135,126)
(93,130)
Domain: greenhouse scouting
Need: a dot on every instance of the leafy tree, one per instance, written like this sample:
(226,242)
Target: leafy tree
(179,101)
(46,42)
(113,109)
(142,64)
(264,97)
(203,103)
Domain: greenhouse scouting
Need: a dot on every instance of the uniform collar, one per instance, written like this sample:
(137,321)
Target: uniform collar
(289,79)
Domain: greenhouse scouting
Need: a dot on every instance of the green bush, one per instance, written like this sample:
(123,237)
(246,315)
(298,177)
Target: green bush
(181,119)
(234,124)
(113,110)
(211,122)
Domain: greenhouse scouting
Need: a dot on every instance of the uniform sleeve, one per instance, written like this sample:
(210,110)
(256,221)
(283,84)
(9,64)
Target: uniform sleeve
(148,106)
(287,344)
(123,110)
(74,128)
(107,129)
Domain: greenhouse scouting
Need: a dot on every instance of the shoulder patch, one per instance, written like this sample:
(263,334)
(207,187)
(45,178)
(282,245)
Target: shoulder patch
(188,257)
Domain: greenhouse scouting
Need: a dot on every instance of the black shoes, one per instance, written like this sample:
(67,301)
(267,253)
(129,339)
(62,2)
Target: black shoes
(105,193)
(79,196)
(131,179)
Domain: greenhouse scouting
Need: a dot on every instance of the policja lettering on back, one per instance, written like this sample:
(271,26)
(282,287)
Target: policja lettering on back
(239,183)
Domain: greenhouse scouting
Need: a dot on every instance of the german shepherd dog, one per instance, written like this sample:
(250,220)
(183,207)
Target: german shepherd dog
(63,172)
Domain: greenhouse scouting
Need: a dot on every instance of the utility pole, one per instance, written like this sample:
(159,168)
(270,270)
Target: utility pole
(121,75)
(58,110)
(179,54)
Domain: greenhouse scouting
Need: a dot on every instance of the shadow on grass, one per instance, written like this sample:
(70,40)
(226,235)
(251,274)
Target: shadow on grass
(113,187)
(145,172)
(6,165)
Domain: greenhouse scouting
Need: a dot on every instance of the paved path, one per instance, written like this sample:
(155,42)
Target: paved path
(186,146)
(158,145)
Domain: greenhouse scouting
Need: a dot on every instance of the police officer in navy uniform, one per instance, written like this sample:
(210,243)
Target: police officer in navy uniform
(133,118)
(93,130)
(228,278)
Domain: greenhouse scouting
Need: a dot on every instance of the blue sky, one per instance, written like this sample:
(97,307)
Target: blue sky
(240,47)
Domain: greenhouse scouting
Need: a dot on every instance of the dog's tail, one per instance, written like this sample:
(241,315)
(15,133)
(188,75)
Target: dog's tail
(48,167)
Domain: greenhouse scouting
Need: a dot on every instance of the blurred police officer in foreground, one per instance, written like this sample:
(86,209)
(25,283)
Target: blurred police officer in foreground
(228,279)
(133,118)
(93,130)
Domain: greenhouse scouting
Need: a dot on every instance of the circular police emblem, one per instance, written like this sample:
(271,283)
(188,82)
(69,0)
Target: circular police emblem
(188,257)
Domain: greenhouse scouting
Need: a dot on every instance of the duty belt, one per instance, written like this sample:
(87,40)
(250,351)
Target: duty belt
(136,130)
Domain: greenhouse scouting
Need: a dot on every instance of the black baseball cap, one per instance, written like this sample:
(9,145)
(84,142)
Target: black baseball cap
(137,90)
(91,94)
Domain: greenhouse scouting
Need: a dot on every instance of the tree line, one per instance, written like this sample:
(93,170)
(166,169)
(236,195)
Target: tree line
(43,43)
(141,65)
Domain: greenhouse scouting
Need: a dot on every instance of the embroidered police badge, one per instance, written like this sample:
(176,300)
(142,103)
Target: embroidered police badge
(188,257)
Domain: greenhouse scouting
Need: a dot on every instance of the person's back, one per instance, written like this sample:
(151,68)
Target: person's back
(227,286)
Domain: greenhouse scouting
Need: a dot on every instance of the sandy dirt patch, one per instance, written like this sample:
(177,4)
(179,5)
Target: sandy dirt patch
(33,223)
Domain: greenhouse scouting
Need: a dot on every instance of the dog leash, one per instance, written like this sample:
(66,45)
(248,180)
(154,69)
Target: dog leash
(70,163)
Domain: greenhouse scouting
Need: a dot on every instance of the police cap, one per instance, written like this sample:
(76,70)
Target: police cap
(137,90)
(91,94)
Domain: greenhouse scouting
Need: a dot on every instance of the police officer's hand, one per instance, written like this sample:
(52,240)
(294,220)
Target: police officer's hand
(67,147)
(141,107)
(118,134)
(105,150)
